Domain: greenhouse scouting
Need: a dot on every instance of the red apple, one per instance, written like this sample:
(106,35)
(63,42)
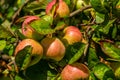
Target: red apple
(75,71)
(53,48)
(72,34)
(63,9)
(57,8)
(49,7)
(37,51)
(27,30)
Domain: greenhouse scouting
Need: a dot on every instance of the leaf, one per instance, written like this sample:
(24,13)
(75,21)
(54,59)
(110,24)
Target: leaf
(114,32)
(42,26)
(40,71)
(98,6)
(17,77)
(36,5)
(60,25)
(110,50)
(74,52)
(5,31)
(23,58)
(107,26)
(2,44)
(92,58)
(103,72)
(100,17)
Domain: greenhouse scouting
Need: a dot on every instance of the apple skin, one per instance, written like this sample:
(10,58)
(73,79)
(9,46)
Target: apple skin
(72,34)
(37,51)
(75,71)
(27,30)
(63,9)
(53,48)
(50,6)
(57,8)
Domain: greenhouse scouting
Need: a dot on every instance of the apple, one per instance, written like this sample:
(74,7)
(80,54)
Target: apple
(57,8)
(49,7)
(37,51)
(63,9)
(75,71)
(80,4)
(72,34)
(53,48)
(27,30)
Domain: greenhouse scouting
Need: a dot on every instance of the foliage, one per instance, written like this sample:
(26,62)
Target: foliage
(98,20)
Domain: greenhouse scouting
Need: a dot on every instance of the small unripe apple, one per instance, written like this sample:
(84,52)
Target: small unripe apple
(80,4)
(75,71)
(37,50)
(63,9)
(53,48)
(72,34)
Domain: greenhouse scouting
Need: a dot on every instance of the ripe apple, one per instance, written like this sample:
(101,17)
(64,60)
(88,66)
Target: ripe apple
(27,30)
(72,34)
(57,8)
(53,48)
(63,9)
(75,71)
(37,51)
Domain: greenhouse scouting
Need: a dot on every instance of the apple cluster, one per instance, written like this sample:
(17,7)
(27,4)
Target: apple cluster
(53,47)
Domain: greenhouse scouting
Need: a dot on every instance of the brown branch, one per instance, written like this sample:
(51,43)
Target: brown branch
(18,12)
(80,10)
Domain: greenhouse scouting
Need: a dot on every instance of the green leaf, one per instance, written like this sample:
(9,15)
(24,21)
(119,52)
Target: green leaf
(74,52)
(110,50)
(5,31)
(36,5)
(92,76)
(92,58)
(100,17)
(42,26)
(114,32)
(23,58)
(17,77)
(40,71)
(2,44)
(48,18)
(98,6)
(107,26)
(103,72)
(60,25)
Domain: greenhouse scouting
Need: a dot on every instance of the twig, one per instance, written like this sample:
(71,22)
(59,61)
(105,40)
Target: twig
(80,10)
(18,12)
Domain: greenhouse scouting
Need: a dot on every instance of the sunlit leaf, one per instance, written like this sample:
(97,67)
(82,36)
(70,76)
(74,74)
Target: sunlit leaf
(100,17)
(5,30)
(110,50)
(2,44)
(103,72)
(42,26)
